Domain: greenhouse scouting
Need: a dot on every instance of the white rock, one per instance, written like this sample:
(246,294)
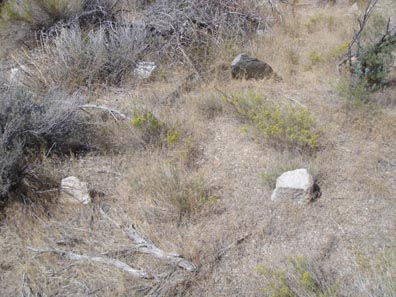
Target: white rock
(296,185)
(74,191)
(144,70)
(15,73)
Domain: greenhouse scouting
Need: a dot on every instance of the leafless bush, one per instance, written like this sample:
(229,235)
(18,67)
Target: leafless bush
(30,123)
(73,59)
(72,54)
(192,30)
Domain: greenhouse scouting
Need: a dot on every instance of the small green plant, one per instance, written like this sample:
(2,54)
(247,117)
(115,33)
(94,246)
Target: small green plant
(151,128)
(292,127)
(172,136)
(339,50)
(299,279)
(315,57)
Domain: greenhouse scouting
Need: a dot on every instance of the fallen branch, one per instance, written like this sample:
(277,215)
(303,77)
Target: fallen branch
(146,247)
(295,101)
(112,111)
(108,261)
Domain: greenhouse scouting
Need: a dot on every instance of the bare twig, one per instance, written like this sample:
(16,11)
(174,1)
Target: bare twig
(295,101)
(102,260)
(112,111)
(147,247)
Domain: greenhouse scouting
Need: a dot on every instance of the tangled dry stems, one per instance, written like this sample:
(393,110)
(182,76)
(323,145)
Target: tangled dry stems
(30,123)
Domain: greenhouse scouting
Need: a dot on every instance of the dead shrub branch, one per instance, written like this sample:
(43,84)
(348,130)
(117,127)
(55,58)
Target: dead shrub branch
(102,260)
(146,247)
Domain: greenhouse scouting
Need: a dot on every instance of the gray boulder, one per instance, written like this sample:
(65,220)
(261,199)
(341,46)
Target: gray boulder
(245,67)
(296,185)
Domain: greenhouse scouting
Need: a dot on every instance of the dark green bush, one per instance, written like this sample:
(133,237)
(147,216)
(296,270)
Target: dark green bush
(375,61)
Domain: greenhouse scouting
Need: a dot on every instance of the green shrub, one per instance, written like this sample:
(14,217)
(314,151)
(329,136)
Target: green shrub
(300,278)
(375,61)
(374,51)
(153,131)
(288,126)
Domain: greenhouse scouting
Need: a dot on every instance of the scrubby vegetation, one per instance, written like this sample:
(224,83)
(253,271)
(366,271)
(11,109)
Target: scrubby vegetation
(299,278)
(292,127)
(180,164)
(30,124)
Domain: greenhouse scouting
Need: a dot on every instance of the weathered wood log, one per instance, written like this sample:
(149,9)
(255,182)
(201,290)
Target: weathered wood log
(112,111)
(107,261)
(146,247)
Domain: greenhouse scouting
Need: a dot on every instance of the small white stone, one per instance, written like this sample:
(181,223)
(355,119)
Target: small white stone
(144,70)
(74,191)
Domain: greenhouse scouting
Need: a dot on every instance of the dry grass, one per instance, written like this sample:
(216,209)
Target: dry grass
(203,196)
